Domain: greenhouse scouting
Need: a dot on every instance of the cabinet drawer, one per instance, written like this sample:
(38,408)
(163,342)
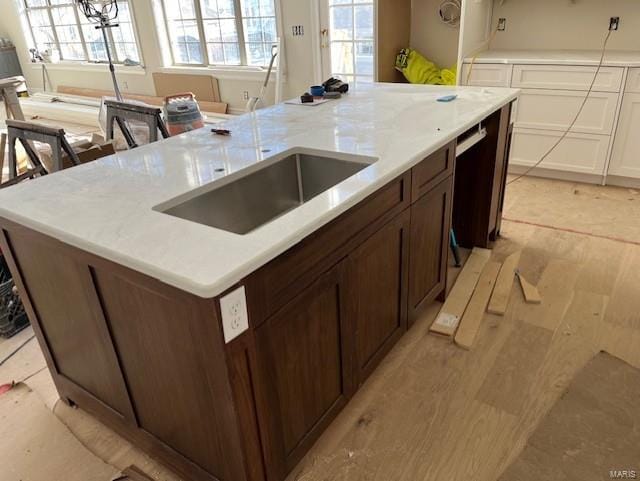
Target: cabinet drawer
(566,77)
(281,279)
(432,170)
(581,153)
(633,80)
(487,75)
(556,109)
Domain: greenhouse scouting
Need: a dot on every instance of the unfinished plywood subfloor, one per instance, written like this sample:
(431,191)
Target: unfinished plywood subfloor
(591,431)
(433,411)
(592,209)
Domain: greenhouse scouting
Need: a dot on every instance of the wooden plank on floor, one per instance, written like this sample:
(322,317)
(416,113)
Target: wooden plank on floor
(531,294)
(447,321)
(473,315)
(504,285)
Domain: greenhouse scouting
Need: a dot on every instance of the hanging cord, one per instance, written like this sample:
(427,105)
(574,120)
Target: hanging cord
(575,119)
(477,52)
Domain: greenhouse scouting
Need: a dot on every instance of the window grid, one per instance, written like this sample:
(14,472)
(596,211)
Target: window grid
(213,47)
(357,44)
(75,38)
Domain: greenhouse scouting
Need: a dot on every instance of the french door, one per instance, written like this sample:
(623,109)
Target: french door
(348,44)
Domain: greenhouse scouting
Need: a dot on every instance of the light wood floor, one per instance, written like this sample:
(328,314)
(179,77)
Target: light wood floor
(434,412)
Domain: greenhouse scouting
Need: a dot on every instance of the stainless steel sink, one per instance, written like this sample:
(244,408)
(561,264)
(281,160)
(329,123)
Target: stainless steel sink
(256,199)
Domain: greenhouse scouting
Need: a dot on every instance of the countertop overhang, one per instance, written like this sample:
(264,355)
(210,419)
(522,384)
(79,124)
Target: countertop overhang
(587,58)
(106,207)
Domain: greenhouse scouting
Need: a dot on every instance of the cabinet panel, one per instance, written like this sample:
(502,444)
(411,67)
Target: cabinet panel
(430,225)
(567,77)
(305,353)
(556,109)
(180,395)
(378,293)
(433,170)
(68,311)
(633,80)
(626,150)
(487,75)
(581,153)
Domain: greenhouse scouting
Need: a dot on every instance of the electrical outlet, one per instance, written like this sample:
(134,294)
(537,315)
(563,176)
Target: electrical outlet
(502,24)
(614,23)
(245,95)
(235,319)
(298,30)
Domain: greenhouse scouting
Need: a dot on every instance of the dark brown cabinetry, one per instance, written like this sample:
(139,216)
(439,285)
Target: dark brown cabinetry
(304,352)
(150,360)
(430,225)
(378,293)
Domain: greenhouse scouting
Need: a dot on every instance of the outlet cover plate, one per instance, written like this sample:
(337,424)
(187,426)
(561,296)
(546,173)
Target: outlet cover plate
(235,319)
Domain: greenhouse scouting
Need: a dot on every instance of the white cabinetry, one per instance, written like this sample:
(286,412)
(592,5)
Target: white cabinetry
(567,77)
(551,97)
(626,150)
(556,109)
(487,75)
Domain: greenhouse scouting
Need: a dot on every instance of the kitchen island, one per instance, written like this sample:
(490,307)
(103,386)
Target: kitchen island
(218,300)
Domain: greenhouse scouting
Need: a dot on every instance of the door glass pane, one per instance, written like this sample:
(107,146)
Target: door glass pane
(342,57)
(351,33)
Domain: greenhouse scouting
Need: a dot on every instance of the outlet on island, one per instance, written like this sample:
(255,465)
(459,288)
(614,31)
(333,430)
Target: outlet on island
(235,319)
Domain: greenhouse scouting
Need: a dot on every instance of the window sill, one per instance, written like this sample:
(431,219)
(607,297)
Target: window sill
(226,73)
(89,67)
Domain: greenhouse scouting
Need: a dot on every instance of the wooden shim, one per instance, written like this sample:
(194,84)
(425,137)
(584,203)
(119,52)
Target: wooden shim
(447,321)
(204,87)
(531,294)
(205,106)
(473,315)
(504,284)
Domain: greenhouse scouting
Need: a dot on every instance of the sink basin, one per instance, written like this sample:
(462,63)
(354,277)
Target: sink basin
(259,197)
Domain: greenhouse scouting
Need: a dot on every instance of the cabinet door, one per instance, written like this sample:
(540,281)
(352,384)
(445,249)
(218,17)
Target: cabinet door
(378,274)
(305,354)
(626,160)
(430,225)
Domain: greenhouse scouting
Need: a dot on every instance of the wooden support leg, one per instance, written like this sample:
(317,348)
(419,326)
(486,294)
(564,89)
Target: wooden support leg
(3,145)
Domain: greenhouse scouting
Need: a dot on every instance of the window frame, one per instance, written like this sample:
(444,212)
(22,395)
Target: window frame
(48,8)
(242,43)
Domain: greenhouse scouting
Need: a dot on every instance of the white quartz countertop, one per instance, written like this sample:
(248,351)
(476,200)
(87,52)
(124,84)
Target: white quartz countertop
(106,207)
(612,58)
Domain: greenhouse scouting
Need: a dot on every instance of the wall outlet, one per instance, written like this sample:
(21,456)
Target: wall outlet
(245,95)
(298,30)
(235,319)
(502,24)
(614,23)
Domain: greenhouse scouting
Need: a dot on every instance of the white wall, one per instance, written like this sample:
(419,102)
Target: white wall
(299,72)
(562,24)
(430,36)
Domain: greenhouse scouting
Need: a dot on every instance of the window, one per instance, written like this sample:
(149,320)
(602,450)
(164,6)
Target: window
(351,31)
(221,32)
(59,25)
